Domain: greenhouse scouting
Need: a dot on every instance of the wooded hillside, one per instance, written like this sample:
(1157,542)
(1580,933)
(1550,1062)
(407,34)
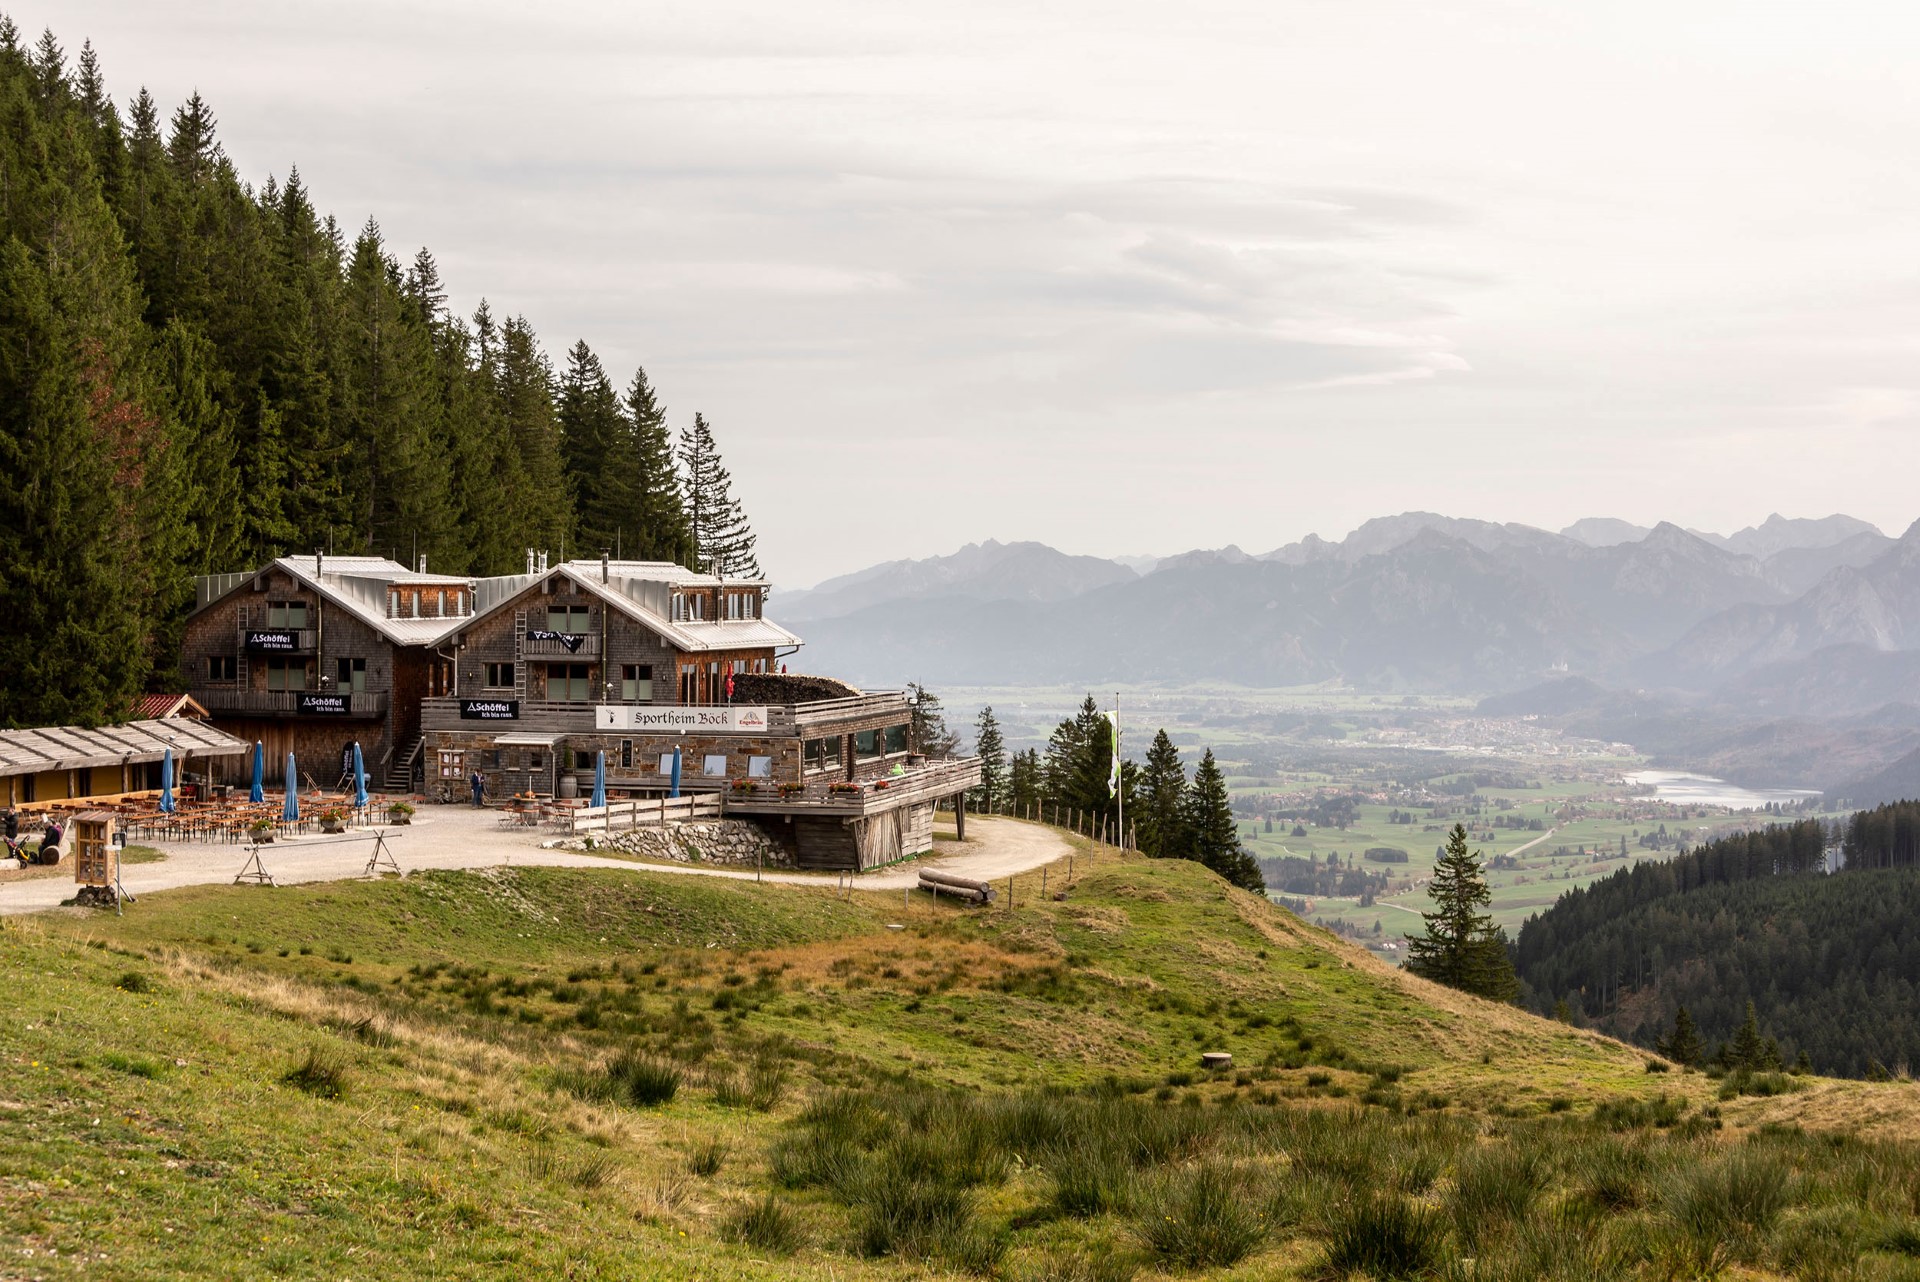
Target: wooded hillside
(197,374)
(1830,962)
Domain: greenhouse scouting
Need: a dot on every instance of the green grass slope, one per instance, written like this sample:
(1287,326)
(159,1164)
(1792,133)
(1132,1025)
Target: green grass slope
(586,1074)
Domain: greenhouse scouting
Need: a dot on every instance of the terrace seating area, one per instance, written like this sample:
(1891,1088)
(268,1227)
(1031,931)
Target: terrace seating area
(223,819)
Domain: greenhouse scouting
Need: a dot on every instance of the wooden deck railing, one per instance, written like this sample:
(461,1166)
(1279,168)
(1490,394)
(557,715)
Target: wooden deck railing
(633,814)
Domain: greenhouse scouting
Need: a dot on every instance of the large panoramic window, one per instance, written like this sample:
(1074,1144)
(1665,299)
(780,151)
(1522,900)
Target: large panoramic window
(896,739)
(570,619)
(866,743)
(286,614)
(636,682)
(567,682)
(822,754)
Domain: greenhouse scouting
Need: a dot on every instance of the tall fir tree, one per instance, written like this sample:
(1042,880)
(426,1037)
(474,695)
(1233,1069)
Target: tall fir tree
(1683,1045)
(723,540)
(1025,786)
(988,745)
(927,723)
(653,509)
(594,437)
(1160,819)
(1215,835)
(1462,948)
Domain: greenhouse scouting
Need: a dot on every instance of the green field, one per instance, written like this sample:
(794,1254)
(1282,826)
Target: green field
(546,1073)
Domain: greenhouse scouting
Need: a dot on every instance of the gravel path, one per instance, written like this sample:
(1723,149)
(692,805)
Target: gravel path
(457,837)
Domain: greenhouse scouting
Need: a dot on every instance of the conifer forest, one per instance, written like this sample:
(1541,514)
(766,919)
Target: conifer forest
(198,373)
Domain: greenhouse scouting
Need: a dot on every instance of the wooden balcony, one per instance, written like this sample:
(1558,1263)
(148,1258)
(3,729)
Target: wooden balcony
(361,705)
(927,782)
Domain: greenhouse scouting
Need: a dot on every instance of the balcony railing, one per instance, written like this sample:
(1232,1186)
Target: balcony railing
(575,646)
(291,703)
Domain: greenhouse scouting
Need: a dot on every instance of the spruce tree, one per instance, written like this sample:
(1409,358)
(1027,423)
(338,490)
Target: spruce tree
(1025,790)
(991,748)
(1215,834)
(722,539)
(1462,948)
(1683,1045)
(1747,1050)
(593,436)
(1160,818)
(653,522)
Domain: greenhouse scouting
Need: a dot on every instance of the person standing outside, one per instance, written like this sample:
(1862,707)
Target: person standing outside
(478,782)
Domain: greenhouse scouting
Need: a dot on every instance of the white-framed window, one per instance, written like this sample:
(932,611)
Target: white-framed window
(759,767)
(715,765)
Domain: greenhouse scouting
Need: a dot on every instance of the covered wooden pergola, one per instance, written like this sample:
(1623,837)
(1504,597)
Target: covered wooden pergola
(71,763)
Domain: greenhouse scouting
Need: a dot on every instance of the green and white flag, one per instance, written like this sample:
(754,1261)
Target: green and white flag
(1113,772)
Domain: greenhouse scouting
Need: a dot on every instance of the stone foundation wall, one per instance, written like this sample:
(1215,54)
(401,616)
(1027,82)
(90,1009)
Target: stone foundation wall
(712,841)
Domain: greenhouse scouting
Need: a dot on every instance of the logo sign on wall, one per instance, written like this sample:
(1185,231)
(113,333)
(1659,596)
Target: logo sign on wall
(489,709)
(329,705)
(648,720)
(571,640)
(278,639)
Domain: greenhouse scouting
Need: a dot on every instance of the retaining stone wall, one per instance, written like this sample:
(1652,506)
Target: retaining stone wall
(710,841)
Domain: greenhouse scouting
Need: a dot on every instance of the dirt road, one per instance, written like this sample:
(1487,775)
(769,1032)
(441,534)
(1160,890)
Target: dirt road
(456,837)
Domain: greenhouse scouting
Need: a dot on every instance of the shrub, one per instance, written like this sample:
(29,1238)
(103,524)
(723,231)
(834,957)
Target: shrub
(134,982)
(707,1157)
(1089,1178)
(592,1171)
(641,1080)
(1381,1237)
(1743,1082)
(1727,1205)
(1629,1114)
(766,1225)
(322,1073)
(910,1215)
(1493,1189)
(1200,1219)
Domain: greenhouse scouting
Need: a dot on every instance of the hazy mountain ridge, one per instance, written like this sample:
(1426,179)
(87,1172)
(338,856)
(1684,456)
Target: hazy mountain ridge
(1414,601)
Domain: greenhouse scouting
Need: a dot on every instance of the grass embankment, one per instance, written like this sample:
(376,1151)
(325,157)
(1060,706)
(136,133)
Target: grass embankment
(582,1074)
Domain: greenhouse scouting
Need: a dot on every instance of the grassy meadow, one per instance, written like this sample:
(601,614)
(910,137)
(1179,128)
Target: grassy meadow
(583,1074)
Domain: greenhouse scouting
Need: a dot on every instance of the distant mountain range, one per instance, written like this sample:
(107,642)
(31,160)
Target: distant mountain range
(1787,623)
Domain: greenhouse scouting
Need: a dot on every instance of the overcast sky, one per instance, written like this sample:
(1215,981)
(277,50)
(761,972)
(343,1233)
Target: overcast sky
(1129,277)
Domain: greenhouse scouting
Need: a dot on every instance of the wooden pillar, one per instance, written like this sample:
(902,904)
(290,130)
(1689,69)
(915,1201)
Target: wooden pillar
(960,816)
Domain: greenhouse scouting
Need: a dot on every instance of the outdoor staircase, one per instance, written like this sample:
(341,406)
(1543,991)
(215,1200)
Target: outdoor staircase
(399,779)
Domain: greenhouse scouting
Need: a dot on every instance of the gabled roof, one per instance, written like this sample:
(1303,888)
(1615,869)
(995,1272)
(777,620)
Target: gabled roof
(158,707)
(74,748)
(643,591)
(358,585)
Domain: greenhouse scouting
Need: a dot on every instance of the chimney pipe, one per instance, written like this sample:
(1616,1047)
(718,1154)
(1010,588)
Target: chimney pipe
(529,562)
(316,563)
(423,563)
(543,562)
(603,565)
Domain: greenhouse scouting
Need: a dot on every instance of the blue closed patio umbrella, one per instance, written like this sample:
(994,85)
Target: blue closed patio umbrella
(359,779)
(257,793)
(674,789)
(290,813)
(166,783)
(599,779)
